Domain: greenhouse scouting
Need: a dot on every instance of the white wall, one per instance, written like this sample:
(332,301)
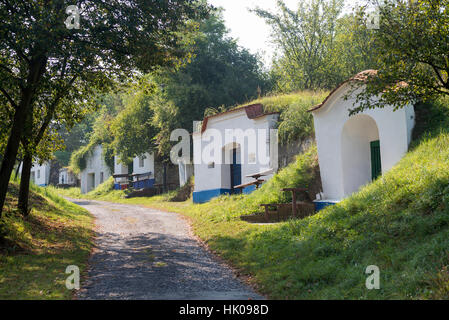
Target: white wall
(120,168)
(337,156)
(218,177)
(185,172)
(356,136)
(40,174)
(95,165)
(148,164)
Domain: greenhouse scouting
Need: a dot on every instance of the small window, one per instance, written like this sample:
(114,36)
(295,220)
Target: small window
(101,177)
(141,162)
(38,174)
(211,165)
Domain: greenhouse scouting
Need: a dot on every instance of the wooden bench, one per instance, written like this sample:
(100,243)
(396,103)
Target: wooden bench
(257,183)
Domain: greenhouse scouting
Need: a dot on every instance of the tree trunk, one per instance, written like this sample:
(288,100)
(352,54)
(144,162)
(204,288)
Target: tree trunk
(17,169)
(11,152)
(37,68)
(24,190)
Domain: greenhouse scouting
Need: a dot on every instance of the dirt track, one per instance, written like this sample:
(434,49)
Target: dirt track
(143,253)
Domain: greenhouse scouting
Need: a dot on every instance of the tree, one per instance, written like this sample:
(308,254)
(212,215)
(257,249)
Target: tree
(318,46)
(40,57)
(412,48)
(305,38)
(133,129)
(219,73)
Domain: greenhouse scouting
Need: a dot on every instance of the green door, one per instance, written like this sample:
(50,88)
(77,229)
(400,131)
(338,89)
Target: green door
(376,167)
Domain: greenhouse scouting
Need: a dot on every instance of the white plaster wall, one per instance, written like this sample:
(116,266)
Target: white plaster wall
(95,164)
(185,172)
(218,177)
(356,136)
(44,173)
(148,164)
(394,127)
(120,168)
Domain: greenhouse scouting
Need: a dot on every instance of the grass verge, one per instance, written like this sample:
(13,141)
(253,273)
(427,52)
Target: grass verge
(35,251)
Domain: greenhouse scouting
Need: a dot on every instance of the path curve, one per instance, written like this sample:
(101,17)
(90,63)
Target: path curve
(142,253)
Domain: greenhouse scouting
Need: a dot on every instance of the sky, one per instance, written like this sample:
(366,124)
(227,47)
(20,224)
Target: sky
(251,31)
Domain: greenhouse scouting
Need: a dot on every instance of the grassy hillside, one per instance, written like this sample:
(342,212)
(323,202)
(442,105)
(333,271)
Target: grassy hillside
(295,122)
(35,251)
(399,223)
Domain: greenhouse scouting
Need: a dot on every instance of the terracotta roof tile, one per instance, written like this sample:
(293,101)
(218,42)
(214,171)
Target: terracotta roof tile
(253,111)
(361,76)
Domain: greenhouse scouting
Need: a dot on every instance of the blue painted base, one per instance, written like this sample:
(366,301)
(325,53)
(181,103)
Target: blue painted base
(206,195)
(249,189)
(321,204)
(143,184)
(118,186)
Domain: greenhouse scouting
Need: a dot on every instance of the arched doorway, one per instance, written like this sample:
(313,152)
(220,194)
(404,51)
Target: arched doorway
(360,148)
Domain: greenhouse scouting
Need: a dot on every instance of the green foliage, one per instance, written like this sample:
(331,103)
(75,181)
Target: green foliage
(104,191)
(318,48)
(412,46)
(133,128)
(295,122)
(99,132)
(219,73)
(103,188)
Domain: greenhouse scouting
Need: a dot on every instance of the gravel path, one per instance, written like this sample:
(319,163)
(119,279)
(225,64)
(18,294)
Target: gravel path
(142,253)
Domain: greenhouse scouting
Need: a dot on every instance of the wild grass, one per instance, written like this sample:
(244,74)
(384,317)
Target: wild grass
(295,120)
(35,251)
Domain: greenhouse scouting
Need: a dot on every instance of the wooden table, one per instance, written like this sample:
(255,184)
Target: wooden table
(294,193)
(259,174)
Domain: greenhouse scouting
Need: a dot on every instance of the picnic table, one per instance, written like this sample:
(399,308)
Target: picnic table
(283,206)
(259,174)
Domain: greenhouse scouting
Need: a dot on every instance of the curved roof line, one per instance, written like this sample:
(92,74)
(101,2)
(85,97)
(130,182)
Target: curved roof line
(361,77)
(253,111)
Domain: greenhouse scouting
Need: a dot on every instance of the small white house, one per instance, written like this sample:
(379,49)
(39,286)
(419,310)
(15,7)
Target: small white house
(40,173)
(353,151)
(96,171)
(230,146)
(66,177)
(143,171)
